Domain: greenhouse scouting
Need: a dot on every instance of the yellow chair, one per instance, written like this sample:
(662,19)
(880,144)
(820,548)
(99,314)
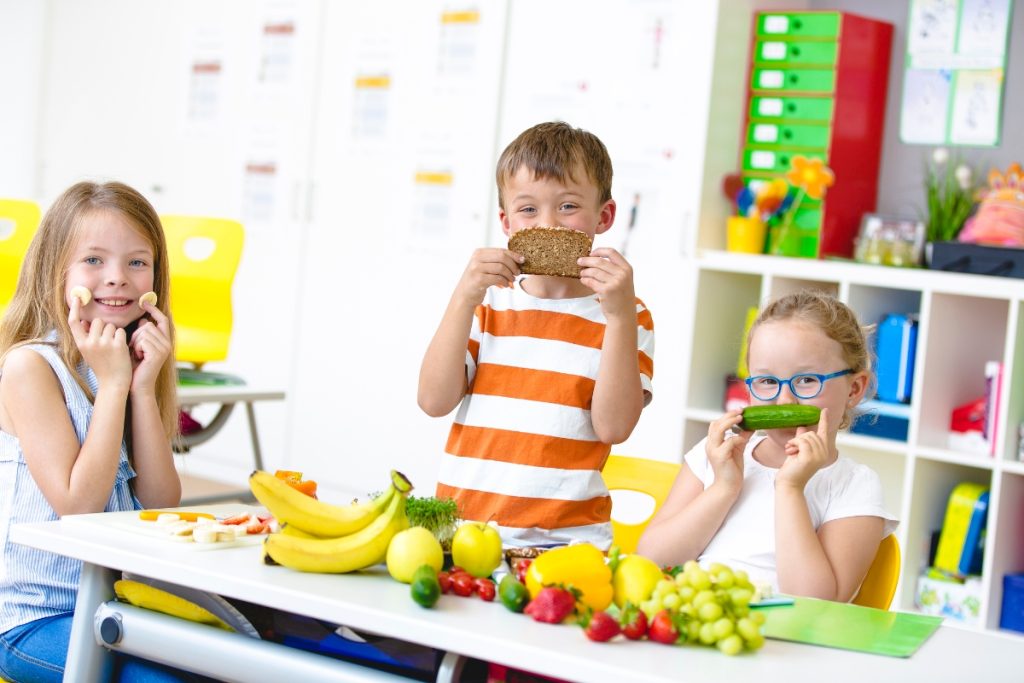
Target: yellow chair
(18,222)
(651,477)
(204,255)
(879,584)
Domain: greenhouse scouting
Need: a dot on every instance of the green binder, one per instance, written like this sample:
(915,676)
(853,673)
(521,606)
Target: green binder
(849,627)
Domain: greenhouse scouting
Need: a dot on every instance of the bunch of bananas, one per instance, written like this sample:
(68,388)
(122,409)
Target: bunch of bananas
(319,537)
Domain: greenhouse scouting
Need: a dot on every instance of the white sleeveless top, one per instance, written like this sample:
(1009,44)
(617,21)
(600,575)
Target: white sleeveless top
(33,583)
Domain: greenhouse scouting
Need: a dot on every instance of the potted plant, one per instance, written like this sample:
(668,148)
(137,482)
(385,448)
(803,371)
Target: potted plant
(949,194)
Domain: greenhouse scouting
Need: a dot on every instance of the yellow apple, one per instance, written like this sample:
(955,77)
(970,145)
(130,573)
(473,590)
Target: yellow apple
(476,547)
(411,549)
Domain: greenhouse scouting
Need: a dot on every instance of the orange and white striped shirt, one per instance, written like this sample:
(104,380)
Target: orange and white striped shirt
(522,451)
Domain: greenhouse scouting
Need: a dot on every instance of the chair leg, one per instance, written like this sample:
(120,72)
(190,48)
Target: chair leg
(257,454)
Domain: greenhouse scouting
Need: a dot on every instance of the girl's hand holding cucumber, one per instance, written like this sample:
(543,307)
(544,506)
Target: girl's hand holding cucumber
(808,451)
(725,453)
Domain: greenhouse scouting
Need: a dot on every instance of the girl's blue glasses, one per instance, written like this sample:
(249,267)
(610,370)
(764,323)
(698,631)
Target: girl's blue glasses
(804,385)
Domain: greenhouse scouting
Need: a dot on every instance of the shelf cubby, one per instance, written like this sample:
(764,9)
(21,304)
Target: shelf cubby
(964,321)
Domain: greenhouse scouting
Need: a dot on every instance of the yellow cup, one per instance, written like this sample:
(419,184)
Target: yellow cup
(745,235)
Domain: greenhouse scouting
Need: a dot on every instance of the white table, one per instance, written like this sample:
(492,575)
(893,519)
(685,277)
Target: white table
(467,626)
(227,396)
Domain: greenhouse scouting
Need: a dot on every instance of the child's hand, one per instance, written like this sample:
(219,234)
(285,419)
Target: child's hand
(807,453)
(609,275)
(488,267)
(726,454)
(103,346)
(150,347)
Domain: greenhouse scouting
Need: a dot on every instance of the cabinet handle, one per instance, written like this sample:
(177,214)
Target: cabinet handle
(791,108)
(797,24)
(787,133)
(794,79)
(795,51)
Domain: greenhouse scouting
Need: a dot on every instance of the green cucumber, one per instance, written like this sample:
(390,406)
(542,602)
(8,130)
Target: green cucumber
(779,417)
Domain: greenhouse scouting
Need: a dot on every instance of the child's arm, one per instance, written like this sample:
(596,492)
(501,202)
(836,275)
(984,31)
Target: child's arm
(73,477)
(829,563)
(692,515)
(443,371)
(618,394)
(156,483)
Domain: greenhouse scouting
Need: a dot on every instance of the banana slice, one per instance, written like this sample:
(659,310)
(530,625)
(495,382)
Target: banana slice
(148,297)
(207,533)
(165,518)
(82,294)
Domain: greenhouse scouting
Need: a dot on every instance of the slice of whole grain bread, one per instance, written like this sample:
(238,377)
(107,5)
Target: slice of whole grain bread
(551,250)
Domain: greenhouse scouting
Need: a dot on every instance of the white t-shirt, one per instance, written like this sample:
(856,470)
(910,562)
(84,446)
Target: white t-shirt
(746,539)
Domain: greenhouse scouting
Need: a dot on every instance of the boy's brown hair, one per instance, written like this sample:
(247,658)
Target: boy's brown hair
(556,150)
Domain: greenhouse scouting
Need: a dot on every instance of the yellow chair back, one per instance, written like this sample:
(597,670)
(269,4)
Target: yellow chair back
(883,575)
(19,219)
(651,477)
(204,254)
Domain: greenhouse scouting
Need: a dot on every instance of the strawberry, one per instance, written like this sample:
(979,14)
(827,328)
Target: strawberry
(256,527)
(601,627)
(634,622)
(242,518)
(663,629)
(551,605)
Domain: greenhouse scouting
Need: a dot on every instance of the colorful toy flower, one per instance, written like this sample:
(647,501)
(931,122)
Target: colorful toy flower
(810,175)
(770,198)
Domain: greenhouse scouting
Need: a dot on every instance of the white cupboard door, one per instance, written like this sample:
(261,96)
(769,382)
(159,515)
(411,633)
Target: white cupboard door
(402,174)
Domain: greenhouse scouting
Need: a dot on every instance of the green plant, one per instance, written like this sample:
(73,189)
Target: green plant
(439,515)
(949,190)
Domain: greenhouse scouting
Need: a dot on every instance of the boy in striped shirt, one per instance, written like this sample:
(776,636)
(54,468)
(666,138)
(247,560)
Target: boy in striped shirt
(547,371)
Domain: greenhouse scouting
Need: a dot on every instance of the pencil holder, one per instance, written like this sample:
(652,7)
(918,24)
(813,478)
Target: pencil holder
(744,234)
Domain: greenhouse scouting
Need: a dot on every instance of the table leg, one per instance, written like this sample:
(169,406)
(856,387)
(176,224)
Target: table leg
(257,454)
(87,661)
(451,668)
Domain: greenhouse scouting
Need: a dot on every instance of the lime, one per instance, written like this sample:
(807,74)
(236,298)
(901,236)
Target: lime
(411,549)
(425,588)
(513,594)
(635,579)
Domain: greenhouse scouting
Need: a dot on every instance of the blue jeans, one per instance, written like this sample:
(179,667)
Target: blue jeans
(36,652)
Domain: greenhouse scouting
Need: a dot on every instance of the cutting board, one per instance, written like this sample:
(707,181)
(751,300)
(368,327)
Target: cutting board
(128,525)
(849,627)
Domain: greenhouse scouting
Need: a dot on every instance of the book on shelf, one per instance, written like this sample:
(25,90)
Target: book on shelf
(993,400)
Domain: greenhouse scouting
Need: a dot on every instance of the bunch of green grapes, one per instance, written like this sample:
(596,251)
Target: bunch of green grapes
(711,607)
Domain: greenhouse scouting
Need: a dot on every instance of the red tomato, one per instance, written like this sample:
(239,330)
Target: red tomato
(462,584)
(445,579)
(521,568)
(485,589)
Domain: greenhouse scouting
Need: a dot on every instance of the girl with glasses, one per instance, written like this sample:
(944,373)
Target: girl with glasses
(783,505)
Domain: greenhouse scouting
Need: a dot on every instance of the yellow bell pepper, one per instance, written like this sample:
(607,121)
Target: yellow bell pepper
(580,566)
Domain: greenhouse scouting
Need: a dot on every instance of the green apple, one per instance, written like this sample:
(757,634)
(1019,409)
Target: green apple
(476,547)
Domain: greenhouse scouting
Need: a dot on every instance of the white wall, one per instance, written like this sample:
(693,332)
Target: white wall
(343,283)
(22,41)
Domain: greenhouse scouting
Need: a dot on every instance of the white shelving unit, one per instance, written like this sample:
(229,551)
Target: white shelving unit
(965,320)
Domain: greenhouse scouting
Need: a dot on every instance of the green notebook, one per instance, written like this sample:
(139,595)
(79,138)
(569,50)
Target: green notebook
(189,377)
(849,627)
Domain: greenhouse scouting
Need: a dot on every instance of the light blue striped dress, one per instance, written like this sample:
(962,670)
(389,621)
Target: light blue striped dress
(33,583)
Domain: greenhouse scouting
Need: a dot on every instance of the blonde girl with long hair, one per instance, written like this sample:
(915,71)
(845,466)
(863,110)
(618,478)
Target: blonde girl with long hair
(87,401)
